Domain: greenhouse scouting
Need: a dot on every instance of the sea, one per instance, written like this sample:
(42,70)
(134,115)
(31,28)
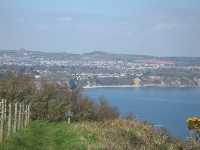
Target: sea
(161,107)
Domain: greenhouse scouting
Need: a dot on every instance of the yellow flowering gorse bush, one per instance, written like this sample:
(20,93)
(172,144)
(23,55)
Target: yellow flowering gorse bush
(194,126)
(193,123)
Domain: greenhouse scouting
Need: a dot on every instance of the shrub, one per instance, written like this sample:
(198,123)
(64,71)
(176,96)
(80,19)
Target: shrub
(194,126)
(17,88)
(105,112)
(51,102)
(84,109)
(42,100)
(129,116)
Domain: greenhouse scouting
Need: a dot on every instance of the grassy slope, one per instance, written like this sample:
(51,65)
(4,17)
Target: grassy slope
(118,134)
(42,135)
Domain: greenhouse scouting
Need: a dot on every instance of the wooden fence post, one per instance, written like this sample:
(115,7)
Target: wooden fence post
(5,109)
(2,121)
(15,121)
(20,114)
(28,113)
(10,120)
(24,115)
(26,119)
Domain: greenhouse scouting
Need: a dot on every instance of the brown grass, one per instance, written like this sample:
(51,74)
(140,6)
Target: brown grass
(125,134)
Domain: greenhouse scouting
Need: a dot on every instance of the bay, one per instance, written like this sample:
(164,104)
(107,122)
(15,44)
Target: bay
(163,107)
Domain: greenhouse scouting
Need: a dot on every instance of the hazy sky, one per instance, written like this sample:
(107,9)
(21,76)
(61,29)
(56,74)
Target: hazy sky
(147,27)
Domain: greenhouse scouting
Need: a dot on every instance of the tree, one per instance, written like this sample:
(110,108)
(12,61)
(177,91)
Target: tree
(17,88)
(105,112)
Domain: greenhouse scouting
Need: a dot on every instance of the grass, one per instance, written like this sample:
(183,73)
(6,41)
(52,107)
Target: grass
(43,135)
(108,135)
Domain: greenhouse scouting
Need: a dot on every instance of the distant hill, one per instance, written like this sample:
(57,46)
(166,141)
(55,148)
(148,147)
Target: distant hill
(21,50)
(100,55)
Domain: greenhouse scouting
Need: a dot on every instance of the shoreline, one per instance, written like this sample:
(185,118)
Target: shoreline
(133,86)
(110,86)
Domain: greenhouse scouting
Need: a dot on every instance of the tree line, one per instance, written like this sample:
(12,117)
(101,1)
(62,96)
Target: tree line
(50,101)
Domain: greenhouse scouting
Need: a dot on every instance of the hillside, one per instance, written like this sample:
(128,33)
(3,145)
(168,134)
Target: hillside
(117,134)
(102,68)
(96,55)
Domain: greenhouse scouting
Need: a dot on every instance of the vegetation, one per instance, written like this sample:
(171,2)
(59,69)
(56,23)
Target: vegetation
(107,135)
(193,142)
(96,125)
(17,88)
(50,102)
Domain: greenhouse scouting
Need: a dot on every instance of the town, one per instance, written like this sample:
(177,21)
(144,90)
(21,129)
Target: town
(103,69)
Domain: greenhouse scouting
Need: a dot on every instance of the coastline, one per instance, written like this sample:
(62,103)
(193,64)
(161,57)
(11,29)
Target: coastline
(134,86)
(110,86)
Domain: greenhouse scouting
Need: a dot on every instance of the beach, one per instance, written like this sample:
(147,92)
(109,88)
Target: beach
(128,86)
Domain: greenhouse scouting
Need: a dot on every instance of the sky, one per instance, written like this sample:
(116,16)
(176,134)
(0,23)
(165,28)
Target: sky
(142,27)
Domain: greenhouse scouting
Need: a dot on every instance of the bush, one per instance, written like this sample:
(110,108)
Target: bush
(105,112)
(194,126)
(51,103)
(17,88)
(129,116)
(84,109)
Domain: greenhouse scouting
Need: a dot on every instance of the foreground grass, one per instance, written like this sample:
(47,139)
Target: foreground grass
(117,134)
(43,135)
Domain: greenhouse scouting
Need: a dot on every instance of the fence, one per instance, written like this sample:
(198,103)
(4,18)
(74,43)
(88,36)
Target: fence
(16,116)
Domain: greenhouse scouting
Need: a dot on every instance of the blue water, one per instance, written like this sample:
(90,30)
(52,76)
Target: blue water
(169,107)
